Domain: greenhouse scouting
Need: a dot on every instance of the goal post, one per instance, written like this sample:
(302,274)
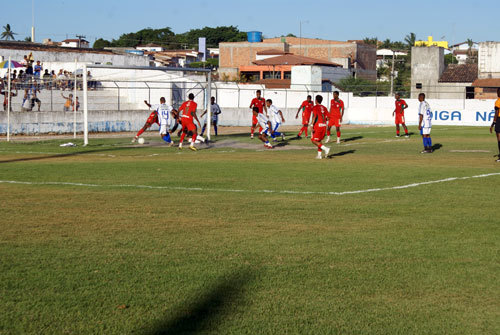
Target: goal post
(205,85)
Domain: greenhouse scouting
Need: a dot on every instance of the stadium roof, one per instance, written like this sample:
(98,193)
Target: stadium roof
(290,59)
(459,73)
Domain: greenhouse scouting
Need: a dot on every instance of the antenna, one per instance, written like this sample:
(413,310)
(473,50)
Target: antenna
(80,37)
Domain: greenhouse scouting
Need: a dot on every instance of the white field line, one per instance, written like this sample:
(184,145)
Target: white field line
(201,189)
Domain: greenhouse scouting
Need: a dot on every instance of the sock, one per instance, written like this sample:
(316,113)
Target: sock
(319,148)
(322,148)
(167,138)
(182,137)
(328,133)
(267,142)
(194,138)
(139,132)
(406,131)
(301,131)
(252,130)
(203,129)
(338,134)
(425,142)
(215,129)
(429,142)
(499,148)
(305,127)
(397,132)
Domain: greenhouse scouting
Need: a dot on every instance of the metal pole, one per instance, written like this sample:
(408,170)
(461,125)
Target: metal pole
(74,105)
(85,108)
(209,106)
(392,74)
(8,104)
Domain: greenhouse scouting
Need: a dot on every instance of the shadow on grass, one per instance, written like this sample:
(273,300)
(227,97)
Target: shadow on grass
(195,317)
(353,138)
(70,154)
(437,146)
(342,153)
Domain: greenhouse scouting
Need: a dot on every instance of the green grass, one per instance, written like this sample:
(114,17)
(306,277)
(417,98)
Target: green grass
(115,260)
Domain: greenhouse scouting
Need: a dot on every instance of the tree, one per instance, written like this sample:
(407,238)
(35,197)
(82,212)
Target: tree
(27,39)
(7,33)
(450,59)
(410,40)
(470,55)
(101,44)
(371,40)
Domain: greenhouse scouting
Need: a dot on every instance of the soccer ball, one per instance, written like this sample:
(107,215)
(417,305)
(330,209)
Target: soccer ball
(140,140)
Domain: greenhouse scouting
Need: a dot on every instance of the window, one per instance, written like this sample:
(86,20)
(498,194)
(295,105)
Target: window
(418,86)
(287,75)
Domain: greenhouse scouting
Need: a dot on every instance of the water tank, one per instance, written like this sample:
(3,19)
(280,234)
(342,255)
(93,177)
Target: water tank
(135,52)
(254,36)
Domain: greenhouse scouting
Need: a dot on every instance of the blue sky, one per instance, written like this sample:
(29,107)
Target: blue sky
(329,19)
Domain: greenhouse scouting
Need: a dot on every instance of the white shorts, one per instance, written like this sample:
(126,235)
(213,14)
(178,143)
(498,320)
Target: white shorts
(164,128)
(426,131)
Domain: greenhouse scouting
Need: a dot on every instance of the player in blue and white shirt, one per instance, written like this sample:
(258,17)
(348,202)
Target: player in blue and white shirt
(214,113)
(276,118)
(266,126)
(425,122)
(165,119)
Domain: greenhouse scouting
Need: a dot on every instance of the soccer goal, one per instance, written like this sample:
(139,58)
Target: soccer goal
(114,96)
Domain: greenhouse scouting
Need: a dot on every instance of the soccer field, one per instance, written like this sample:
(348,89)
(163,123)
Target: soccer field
(116,238)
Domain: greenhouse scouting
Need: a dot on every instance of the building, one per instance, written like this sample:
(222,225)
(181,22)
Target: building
(150,47)
(176,58)
(357,57)
(431,43)
(488,81)
(463,52)
(75,43)
(429,75)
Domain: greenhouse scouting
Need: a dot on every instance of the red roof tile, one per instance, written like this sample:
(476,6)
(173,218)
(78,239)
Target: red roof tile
(489,82)
(459,73)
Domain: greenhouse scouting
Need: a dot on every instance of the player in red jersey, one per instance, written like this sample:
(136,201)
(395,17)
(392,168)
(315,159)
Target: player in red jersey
(320,118)
(336,116)
(187,112)
(153,118)
(400,114)
(306,109)
(260,103)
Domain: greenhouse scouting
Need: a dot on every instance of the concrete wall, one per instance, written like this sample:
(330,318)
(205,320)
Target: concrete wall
(69,57)
(427,65)
(489,60)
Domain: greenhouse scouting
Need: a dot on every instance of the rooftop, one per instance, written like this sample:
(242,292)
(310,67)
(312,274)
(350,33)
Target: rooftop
(459,73)
(28,46)
(290,59)
(489,82)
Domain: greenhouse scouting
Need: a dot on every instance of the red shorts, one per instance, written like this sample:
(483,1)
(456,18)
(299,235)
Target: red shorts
(318,133)
(400,119)
(254,120)
(153,118)
(188,126)
(334,121)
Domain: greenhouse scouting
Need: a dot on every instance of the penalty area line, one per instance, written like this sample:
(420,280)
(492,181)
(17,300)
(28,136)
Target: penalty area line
(201,189)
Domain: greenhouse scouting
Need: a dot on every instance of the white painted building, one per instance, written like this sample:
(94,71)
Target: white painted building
(151,47)
(75,43)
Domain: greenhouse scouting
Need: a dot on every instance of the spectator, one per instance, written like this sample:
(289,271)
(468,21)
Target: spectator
(38,69)
(61,80)
(5,93)
(46,79)
(69,102)
(77,104)
(24,62)
(91,83)
(30,99)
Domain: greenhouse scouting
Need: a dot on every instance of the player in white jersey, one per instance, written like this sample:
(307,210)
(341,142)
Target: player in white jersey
(214,116)
(166,120)
(276,118)
(425,123)
(265,125)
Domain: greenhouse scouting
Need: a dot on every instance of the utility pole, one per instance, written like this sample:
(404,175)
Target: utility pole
(80,37)
(392,73)
(33,21)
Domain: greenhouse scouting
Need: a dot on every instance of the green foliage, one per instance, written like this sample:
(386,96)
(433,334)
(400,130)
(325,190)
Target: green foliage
(410,40)
(164,37)
(7,33)
(214,36)
(101,44)
(210,63)
(371,40)
(363,87)
(450,59)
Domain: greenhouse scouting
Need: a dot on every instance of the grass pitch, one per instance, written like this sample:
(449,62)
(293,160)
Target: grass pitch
(117,239)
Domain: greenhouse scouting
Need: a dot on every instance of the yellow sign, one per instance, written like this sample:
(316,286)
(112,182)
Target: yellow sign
(430,42)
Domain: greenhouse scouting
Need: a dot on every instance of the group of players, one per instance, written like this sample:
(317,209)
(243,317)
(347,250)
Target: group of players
(269,118)
(169,119)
